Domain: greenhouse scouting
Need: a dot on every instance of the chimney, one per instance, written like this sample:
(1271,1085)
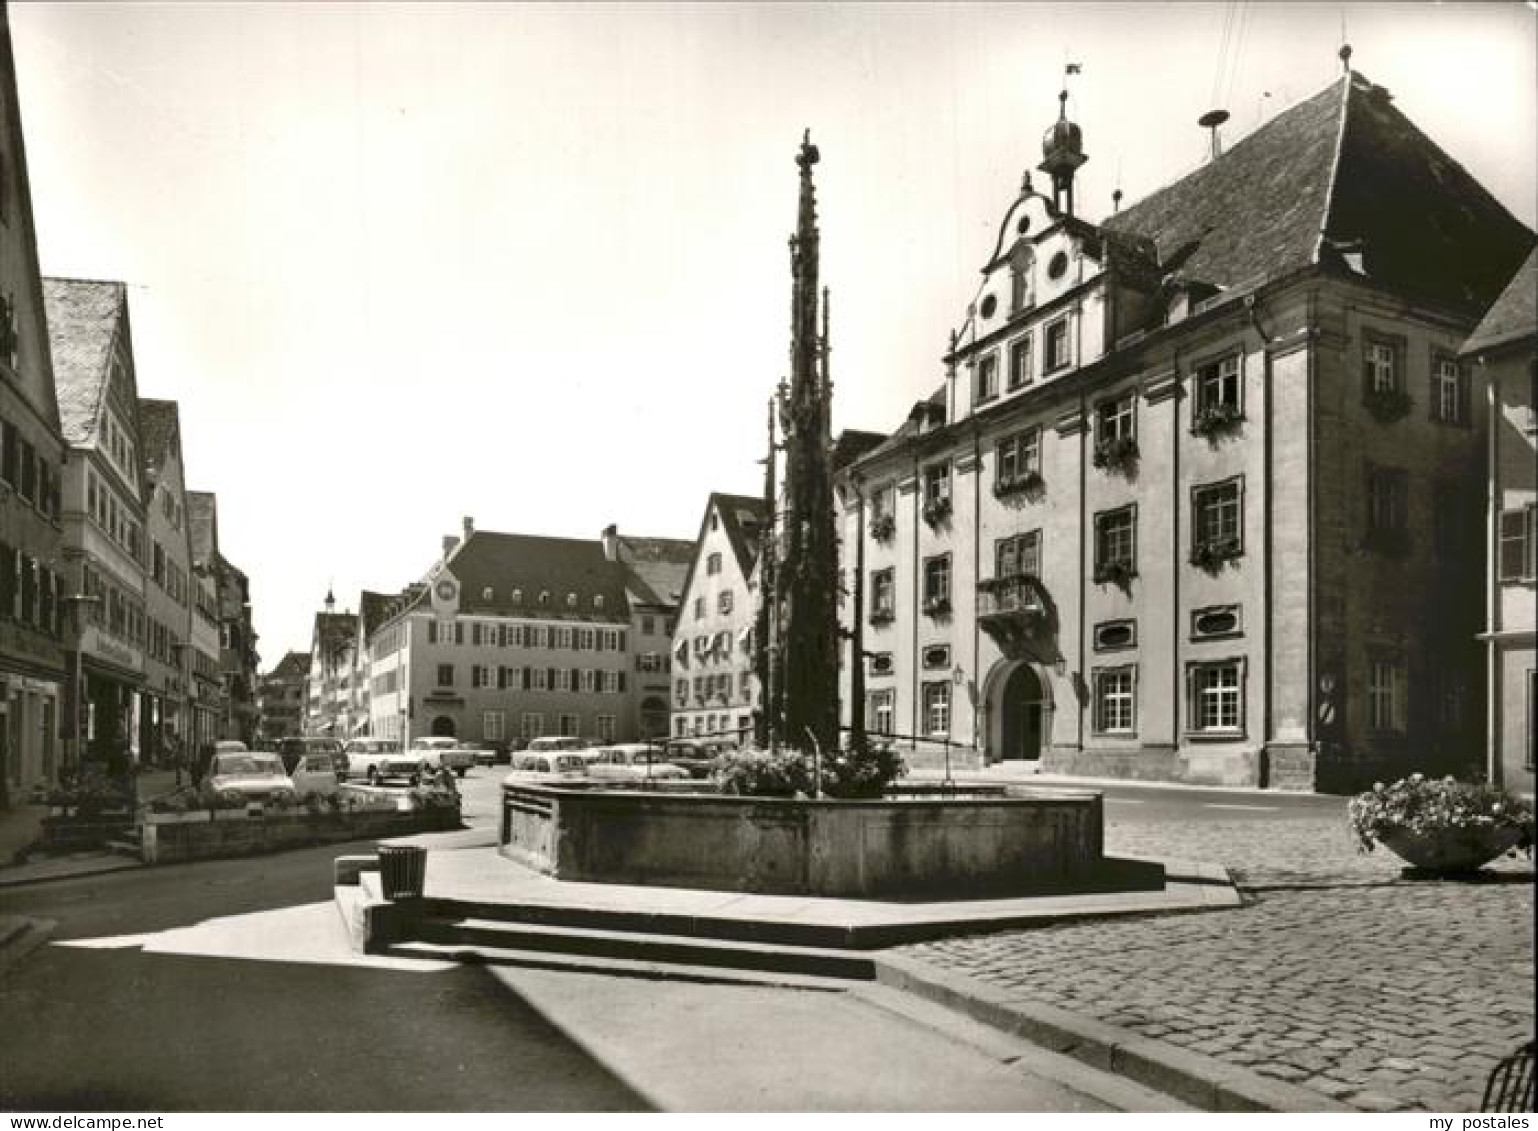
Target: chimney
(1210,121)
(469,527)
(610,538)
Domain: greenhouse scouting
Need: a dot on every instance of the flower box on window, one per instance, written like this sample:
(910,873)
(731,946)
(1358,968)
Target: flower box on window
(1117,453)
(882,616)
(1210,555)
(1218,419)
(1390,541)
(937,606)
(882,527)
(1388,405)
(1117,572)
(937,511)
(1029,483)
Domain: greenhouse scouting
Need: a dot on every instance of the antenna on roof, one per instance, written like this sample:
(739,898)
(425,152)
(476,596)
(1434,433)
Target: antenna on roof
(1116,193)
(1345,58)
(1211,120)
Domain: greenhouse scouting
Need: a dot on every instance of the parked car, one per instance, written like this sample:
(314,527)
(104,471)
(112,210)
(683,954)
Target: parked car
(634,761)
(255,776)
(316,773)
(366,755)
(549,766)
(551,742)
(291,750)
(230,746)
(697,755)
(488,754)
(444,753)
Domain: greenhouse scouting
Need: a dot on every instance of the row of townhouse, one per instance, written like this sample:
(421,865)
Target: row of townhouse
(1198,497)
(110,607)
(508,637)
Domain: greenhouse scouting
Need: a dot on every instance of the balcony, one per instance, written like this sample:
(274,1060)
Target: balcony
(1018,614)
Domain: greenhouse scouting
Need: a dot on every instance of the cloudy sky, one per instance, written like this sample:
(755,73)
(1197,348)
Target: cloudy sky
(402,264)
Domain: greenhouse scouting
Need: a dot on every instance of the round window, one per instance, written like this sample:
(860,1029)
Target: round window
(1059,266)
(990,304)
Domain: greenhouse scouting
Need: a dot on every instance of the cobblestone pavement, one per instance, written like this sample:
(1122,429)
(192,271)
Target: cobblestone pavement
(1339,974)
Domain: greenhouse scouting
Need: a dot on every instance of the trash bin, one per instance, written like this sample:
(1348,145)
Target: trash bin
(402,870)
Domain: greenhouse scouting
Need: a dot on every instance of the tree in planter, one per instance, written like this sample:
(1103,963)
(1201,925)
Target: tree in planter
(937,606)
(937,511)
(1117,571)
(882,527)
(1030,483)
(1388,405)
(1210,555)
(1116,453)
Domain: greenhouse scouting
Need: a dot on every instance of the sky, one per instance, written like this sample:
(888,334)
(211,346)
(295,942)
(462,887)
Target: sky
(403,264)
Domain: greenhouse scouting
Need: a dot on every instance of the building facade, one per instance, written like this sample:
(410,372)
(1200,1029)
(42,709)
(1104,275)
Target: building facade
(1190,501)
(715,689)
(103,508)
(1504,352)
(329,683)
(239,660)
(280,699)
(655,571)
(34,585)
(208,692)
(166,720)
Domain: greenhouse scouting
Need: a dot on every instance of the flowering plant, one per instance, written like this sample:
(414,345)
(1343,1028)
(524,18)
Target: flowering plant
(1115,453)
(1419,805)
(882,527)
(1215,419)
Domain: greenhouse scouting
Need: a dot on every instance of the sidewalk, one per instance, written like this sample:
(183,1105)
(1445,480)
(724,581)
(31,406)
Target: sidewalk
(1338,976)
(21,828)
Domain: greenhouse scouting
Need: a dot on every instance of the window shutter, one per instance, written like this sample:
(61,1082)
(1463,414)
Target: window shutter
(526,678)
(622,640)
(620,681)
(576,679)
(459,632)
(550,678)
(432,632)
(598,642)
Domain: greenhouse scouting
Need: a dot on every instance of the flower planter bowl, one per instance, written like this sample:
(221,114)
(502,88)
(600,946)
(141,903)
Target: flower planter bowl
(1450,851)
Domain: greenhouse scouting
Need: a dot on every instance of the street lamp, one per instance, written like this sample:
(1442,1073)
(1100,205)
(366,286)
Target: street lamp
(77,715)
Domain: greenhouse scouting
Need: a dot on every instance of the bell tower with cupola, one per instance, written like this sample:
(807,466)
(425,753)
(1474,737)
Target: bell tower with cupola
(1062,152)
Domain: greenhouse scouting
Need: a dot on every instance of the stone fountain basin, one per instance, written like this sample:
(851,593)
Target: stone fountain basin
(1024,841)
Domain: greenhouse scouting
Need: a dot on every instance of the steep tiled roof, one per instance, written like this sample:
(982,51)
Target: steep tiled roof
(293,666)
(851,444)
(203,524)
(373,609)
(742,517)
(1321,171)
(158,423)
(82,317)
(335,630)
(657,568)
(1514,316)
(535,564)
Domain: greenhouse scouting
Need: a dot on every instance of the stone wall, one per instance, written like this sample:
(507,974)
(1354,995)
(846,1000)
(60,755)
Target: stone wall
(169,838)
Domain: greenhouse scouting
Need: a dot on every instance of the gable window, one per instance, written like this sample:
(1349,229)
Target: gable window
(1216,697)
(987,382)
(882,596)
(1020,371)
(1218,388)
(1018,555)
(1449,391)
(1058,355)
(1386,694)
(1115,699)
(724,601)
(937,584)
(1518,538)
(713,564)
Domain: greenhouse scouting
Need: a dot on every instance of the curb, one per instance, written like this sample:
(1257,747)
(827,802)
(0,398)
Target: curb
(1202,1081)
(91,868)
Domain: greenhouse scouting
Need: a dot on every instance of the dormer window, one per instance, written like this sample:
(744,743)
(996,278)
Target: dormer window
(486,593)
(544,597)
(598,601)
(517,596)
(571,600)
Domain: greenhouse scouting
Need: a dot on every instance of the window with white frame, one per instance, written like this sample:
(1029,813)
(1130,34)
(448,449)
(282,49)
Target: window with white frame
(539,679)
(1019,455)
(1115,699)
(937,709)
(1117,419)
(1116,538)
(562,638)
(493,726)
(882,593)
(1518,539)
(882,501)
(1449,391)
(589,680)
(570,724)
(878,714)
(532,724)
(480,675)
(1216,697)
(562,679)
(986,386)
(937,483)
(937,581)
(1021,372)
(1058,351)
(1380,364)
(1217,514)
(1386,694)
(1018,555)
(605,726)
(1218,386)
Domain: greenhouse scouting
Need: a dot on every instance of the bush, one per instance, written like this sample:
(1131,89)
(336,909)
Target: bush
(1418,804)
(433,797)
(762,773)
(848,773)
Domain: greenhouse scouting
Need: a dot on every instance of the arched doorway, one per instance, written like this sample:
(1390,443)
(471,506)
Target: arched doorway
(443,727)
(1020,709)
